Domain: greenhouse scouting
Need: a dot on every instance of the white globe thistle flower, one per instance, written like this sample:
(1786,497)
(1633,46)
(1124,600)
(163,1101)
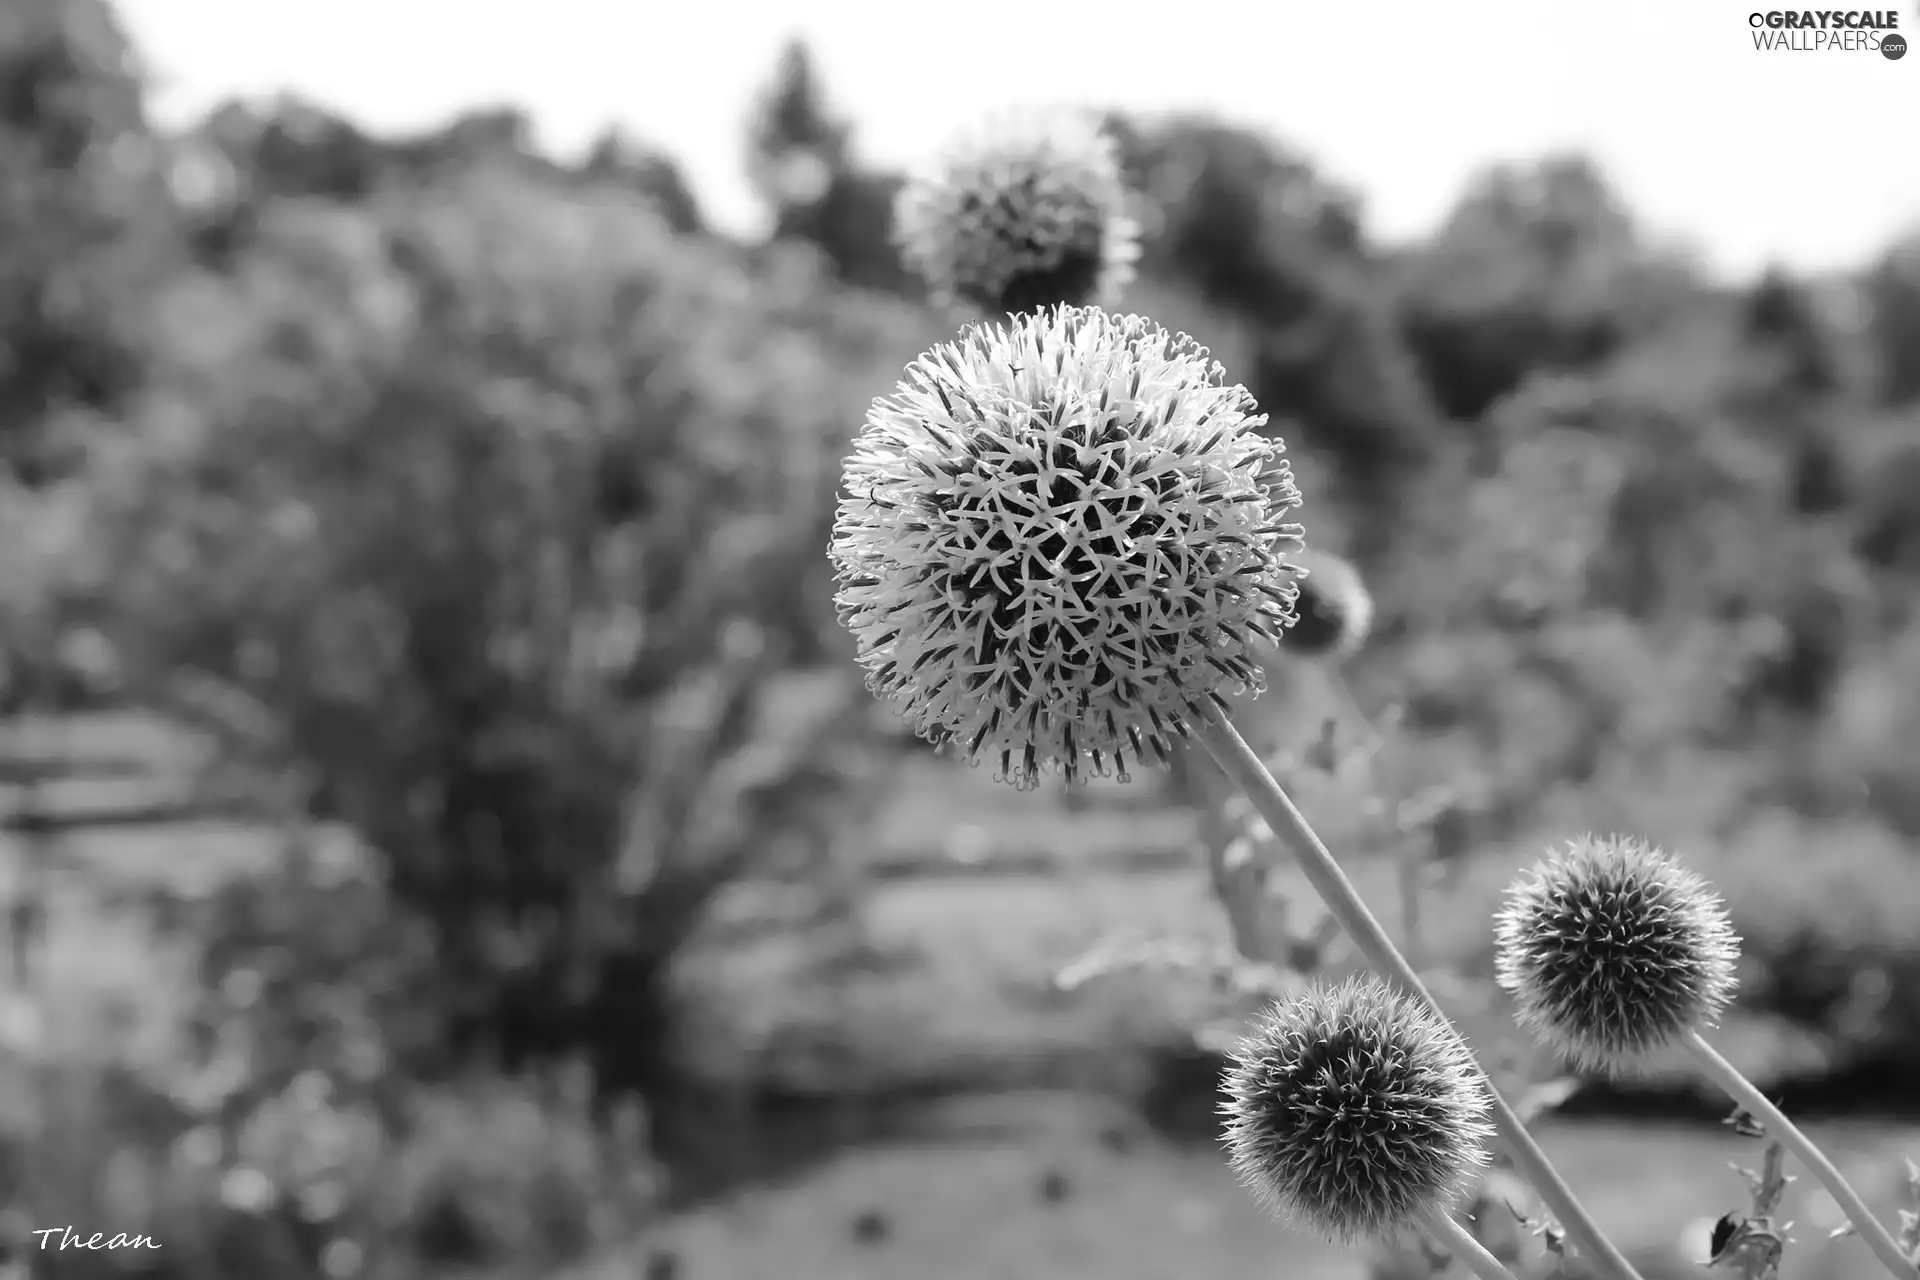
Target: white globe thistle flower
(1061,541)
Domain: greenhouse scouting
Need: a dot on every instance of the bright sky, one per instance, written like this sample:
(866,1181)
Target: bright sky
(1749,155)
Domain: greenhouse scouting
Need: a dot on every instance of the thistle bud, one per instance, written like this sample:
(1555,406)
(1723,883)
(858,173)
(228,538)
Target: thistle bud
(1356,1110)
(1611,949)
(1335,612)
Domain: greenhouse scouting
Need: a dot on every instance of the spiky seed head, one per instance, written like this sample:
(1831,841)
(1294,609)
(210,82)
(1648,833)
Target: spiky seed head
(1027,211)
(1611,949)
(1060,541)
(1354,1108)
(1335,612)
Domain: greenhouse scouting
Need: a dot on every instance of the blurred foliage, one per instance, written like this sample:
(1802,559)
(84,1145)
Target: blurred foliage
(1538,269)
(505,511)
(77,167)
(475,503)
(281,1125)
(1893,292)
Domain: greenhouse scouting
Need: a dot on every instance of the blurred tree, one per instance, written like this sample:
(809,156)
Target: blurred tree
(241,156)
(1788,372)
(506,506)
(1782,324)
(1816,616)
(1893,294)
(83,214)
(300,149)
(619,158)
(206,181)
(1888,535)
(799,162)
(1538,268)
(487,133)
(796,145)
(1822,479)
(1234,212)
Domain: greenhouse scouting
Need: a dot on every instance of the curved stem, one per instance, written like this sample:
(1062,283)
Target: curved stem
(1458,1241)
(1788,1135)
(1343,901)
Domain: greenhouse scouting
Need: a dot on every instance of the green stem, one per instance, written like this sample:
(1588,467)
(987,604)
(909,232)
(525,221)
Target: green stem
(1788,1135)
(1238,761)
(1458,1241)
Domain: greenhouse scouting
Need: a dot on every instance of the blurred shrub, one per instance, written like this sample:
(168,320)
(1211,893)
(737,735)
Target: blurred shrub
(83,223)
(1538,269)
(1234,213)
(1887,535)
(1836,951)
(265,1122)
(1783,323)
(619,158)
(507,509)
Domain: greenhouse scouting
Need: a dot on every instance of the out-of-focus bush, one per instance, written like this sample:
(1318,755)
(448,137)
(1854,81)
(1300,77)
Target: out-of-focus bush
(1887,532)
(619,158)
(506,507)
(270,1133)
(1783,324)
(1834,952)
(1538,269)
(83,223)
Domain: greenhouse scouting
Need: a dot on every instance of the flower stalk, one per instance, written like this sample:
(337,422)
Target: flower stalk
(1447,1234)
(1787,1134)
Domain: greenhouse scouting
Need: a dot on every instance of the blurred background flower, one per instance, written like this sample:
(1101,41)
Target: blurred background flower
(1027,212)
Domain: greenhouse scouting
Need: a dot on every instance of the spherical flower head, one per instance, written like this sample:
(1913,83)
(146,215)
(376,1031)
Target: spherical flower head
(1356,1109)
(1611,949)
(1030,211)
(1335,611)
(1061,542)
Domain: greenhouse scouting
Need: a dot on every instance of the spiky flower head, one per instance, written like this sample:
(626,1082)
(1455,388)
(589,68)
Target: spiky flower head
(1355,1109)
(1335,611)
(1027,211)
(1611,948)
(1061,540)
